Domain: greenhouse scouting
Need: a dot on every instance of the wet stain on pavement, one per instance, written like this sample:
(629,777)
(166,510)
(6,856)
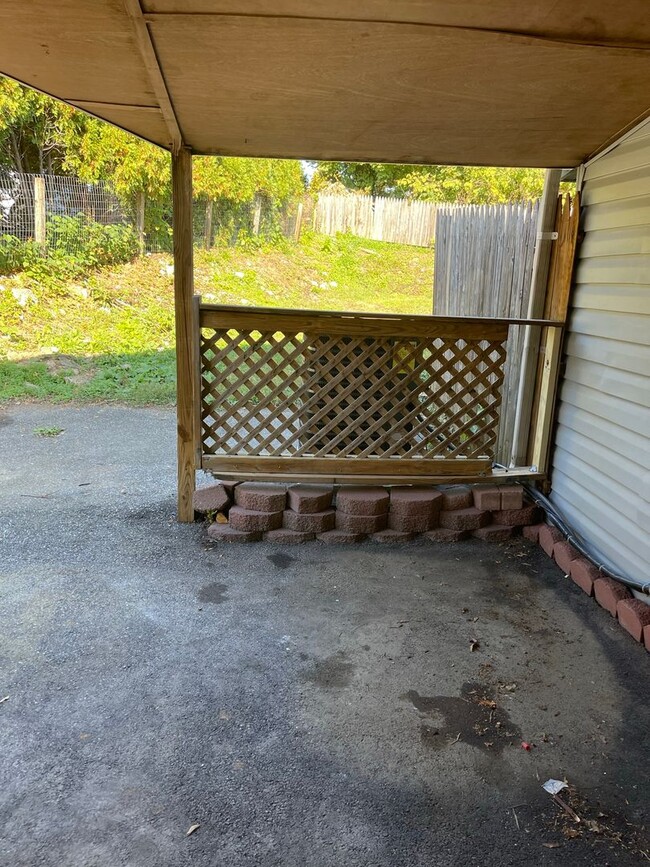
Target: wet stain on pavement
(213,593)
(332,672)
(472,718)
(281,560)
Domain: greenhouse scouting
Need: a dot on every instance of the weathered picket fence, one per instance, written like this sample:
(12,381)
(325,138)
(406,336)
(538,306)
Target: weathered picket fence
(402,221)
(483,267)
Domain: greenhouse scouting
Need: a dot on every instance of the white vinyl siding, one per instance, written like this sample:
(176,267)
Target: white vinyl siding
(601,457)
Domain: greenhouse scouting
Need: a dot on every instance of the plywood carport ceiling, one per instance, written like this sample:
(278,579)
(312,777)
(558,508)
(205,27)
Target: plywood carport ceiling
(507,82)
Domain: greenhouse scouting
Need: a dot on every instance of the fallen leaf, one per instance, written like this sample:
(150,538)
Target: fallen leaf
(192,829)
(221,518)
(487,702)
(551,845)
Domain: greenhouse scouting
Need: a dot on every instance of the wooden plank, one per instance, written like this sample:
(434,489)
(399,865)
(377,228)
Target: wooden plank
(39,211)
(186,331)
(150,60)
(313,323)
(541,429)
(497,477)
(394,468)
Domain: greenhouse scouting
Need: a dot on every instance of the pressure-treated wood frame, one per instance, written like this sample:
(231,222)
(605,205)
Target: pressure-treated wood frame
(349,397)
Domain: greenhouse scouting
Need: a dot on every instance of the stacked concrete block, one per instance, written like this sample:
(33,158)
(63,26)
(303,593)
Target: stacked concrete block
(470,518)
(254,521)
(213,498)
(226,533)
(284,536)
(259,507)
(414,510)
(316,522)
(564,554)
(456,497)
(309,499)
(361,511)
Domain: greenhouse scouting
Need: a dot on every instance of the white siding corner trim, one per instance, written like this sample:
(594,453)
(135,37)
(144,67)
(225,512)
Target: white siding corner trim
(601,458)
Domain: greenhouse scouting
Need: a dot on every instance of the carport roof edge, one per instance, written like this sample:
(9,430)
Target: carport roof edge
(408,81)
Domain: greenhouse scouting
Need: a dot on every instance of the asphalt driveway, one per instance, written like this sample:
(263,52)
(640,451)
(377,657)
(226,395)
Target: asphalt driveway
(311,705)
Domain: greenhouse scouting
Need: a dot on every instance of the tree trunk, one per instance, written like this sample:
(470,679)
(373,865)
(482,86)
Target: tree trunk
(16,150)
(207,233)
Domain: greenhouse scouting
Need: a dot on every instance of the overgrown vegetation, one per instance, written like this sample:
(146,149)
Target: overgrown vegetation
(108,334)
(75,246)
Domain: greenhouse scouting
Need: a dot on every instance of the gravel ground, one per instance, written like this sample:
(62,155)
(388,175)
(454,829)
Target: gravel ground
(303,706)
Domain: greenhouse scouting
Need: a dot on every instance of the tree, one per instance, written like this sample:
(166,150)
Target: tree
(373,179)
(236,181)
(464,184)
(33,129)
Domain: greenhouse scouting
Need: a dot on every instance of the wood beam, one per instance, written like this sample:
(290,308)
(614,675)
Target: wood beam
(186,331)
(150,60)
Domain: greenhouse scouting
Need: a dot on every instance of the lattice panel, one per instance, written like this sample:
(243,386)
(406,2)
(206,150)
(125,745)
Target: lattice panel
(277,394)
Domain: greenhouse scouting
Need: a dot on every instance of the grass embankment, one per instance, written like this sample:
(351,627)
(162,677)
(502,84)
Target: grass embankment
(110,336)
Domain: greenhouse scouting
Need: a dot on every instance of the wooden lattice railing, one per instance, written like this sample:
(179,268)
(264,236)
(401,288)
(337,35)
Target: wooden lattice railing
(340,395)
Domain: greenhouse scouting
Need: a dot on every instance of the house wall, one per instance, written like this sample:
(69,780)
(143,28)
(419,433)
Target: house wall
(601,459)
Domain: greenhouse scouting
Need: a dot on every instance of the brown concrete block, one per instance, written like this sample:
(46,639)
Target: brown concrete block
(362,501)
(563,554)
(609,593)
(214,498)
(283,536)
(532,532)
(493,533)
(260,497)
(409,501)
(584,573)
(646,637)
(340,537)
(512,497)
(391,536)
(634,616)
(309,499)
(226,533)
(547,538)
(412,523)
(518,517)
(360,523)
(487,497)
(251,521)
(464,519)
(456,497)
(442,535)
(318,522)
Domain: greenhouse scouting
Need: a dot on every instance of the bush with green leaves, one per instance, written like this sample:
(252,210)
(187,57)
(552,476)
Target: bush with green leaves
(92,244)
(17,255)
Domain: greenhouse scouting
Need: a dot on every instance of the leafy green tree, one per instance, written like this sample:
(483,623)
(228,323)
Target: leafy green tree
(33,129)
(462,184)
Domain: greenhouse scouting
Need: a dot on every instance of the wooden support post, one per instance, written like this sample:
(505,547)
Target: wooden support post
(207,229)
(298,228)
(139,219)
(257,216)
(530,353)
(185,332)
(40,235)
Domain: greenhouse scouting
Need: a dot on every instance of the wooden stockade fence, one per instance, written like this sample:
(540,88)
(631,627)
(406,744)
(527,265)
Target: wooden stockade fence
(402,221)
(348,394)
(483,267)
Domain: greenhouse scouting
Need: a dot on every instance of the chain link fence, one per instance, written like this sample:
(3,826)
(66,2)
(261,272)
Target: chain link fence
(31,206)
(42,208)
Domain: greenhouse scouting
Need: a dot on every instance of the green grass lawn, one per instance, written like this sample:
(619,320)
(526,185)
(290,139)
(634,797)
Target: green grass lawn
(110,336)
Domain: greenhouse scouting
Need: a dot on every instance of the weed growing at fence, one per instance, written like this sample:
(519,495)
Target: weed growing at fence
(75,246)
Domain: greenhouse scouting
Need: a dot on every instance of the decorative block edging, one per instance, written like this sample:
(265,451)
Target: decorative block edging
(614,597)
(249,511)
